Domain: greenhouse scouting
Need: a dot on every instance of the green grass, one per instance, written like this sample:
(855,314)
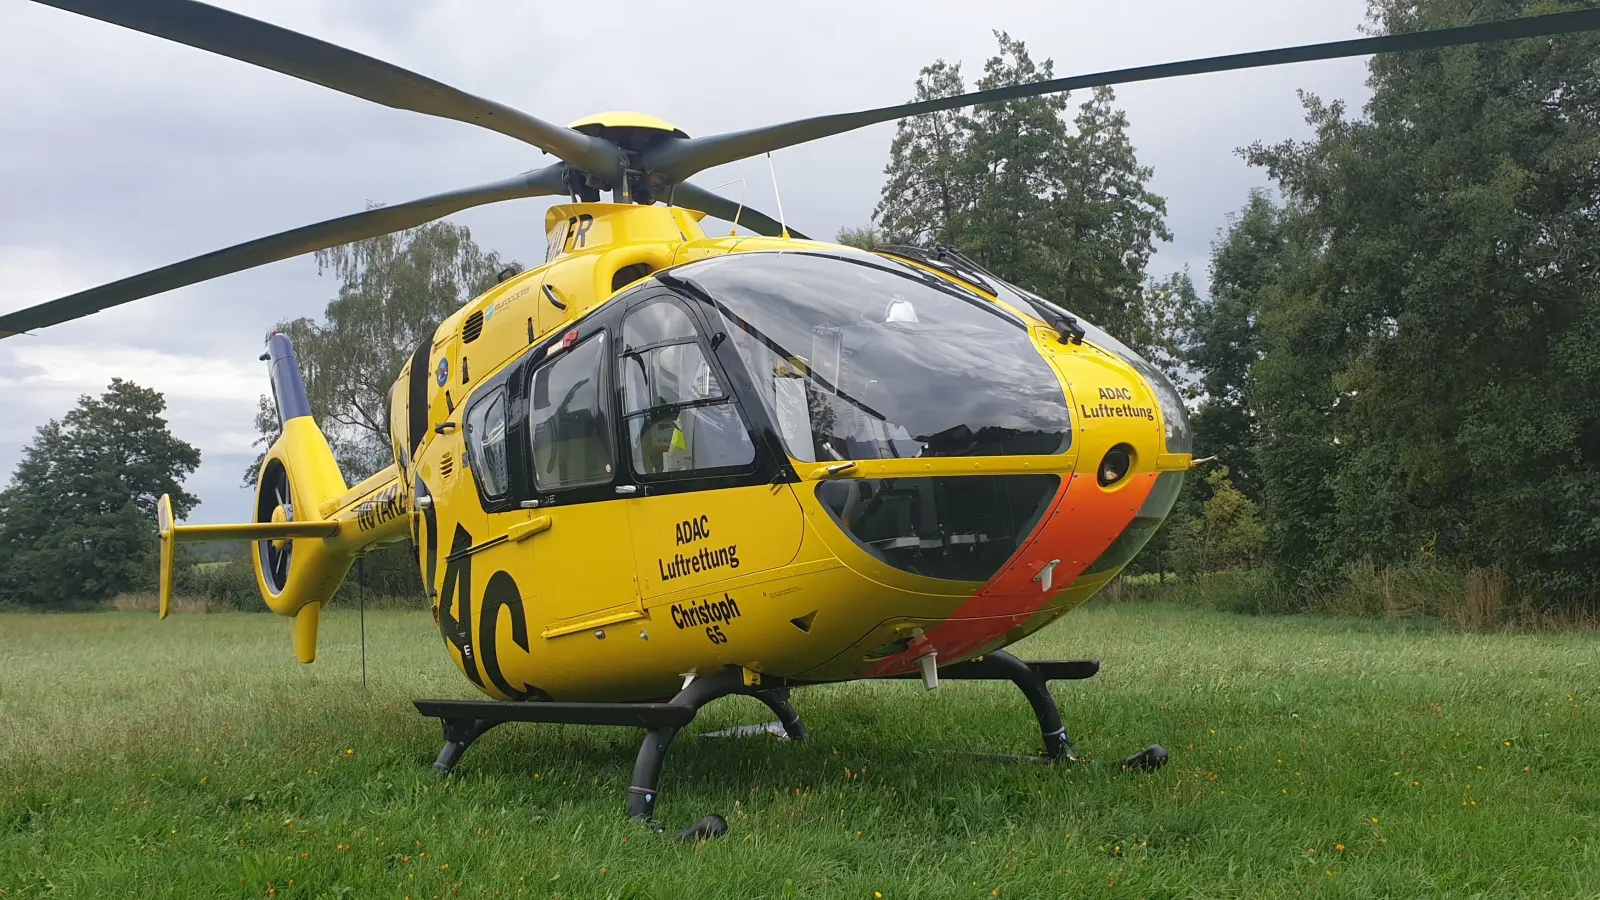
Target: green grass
(194,757)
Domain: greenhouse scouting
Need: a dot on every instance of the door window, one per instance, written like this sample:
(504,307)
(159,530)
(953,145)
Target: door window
(486,442)
(680,419)
(567,418)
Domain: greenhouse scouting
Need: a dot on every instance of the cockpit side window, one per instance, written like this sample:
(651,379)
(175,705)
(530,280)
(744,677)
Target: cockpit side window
(395,420)
(680,418)
(486,443)
(567,419)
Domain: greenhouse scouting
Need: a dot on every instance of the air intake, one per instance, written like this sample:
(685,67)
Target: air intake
(471,328)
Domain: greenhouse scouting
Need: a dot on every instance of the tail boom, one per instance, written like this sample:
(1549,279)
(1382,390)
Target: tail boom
(310,528)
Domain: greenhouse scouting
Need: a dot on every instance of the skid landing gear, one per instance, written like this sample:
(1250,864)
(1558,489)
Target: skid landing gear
(1033,679)
(465,721)
(644,791)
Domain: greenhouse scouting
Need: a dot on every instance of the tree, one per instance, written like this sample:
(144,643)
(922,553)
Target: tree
(1015,160)
(867,238)
(1220,343)
(1109,219)
(77,522)
(1056,206)
(1429,362)
(1227,533)
(394,290)
(927,189)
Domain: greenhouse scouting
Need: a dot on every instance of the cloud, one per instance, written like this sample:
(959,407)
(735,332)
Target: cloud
(125,152)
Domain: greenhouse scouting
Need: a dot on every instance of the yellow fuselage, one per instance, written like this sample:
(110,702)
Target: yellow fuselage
(619,596)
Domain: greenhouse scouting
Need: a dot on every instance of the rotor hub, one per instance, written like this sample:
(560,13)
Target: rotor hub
(279,515)
(632,131)
(634,134)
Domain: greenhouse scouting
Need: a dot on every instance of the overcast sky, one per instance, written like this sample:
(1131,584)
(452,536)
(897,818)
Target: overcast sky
(121,152)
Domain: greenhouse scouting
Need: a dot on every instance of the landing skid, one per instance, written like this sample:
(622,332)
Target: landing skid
(465,721)
(1033,679)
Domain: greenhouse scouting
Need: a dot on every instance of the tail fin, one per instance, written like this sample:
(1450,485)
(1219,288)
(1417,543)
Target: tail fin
(309,528)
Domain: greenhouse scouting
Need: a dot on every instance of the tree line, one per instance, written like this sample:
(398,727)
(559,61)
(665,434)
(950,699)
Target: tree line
(1394,365)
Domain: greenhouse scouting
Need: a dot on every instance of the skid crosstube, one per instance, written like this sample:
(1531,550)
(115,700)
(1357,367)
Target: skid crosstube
(464,721)
(1033,679)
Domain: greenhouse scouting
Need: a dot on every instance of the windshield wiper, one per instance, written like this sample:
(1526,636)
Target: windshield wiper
(958,264)
(939,261)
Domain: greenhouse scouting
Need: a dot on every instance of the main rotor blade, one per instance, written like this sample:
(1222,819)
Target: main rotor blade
(309,59)
(679,158)
(259,252)
(687,195)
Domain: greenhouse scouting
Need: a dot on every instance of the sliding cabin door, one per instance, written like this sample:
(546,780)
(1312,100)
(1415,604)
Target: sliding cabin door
(579,530)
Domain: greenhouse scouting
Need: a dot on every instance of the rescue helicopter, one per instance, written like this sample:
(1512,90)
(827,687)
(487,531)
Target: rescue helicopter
(667,466)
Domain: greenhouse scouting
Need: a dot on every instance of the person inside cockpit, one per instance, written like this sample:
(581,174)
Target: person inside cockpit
(706,437)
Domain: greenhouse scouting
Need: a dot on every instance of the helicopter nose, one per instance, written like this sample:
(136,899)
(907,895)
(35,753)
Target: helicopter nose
(1082,525)
(1121,487)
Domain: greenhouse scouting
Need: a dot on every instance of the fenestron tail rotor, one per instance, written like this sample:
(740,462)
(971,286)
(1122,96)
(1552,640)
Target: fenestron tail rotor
(275,504)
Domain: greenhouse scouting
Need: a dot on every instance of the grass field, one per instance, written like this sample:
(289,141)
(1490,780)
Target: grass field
(194,757)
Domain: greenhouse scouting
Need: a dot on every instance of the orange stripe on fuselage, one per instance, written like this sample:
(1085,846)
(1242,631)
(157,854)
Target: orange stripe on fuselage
(1081,525)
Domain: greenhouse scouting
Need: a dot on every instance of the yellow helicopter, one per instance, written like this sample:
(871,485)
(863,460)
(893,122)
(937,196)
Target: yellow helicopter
(666,467)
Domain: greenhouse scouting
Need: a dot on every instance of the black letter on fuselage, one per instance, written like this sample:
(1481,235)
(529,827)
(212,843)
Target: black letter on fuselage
(501,591)
(457,590)
(580,238)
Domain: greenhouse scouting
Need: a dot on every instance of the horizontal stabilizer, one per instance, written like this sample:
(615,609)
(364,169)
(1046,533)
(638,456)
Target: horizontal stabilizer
(253,531)
(173,534)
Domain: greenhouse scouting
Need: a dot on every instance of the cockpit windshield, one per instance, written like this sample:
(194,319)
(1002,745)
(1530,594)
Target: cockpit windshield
(856,359)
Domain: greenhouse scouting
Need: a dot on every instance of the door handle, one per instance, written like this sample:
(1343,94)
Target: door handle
(524,530)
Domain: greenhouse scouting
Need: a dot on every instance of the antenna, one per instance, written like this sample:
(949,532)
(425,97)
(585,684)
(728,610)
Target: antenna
(361,595)
(777,196)
(744,190)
